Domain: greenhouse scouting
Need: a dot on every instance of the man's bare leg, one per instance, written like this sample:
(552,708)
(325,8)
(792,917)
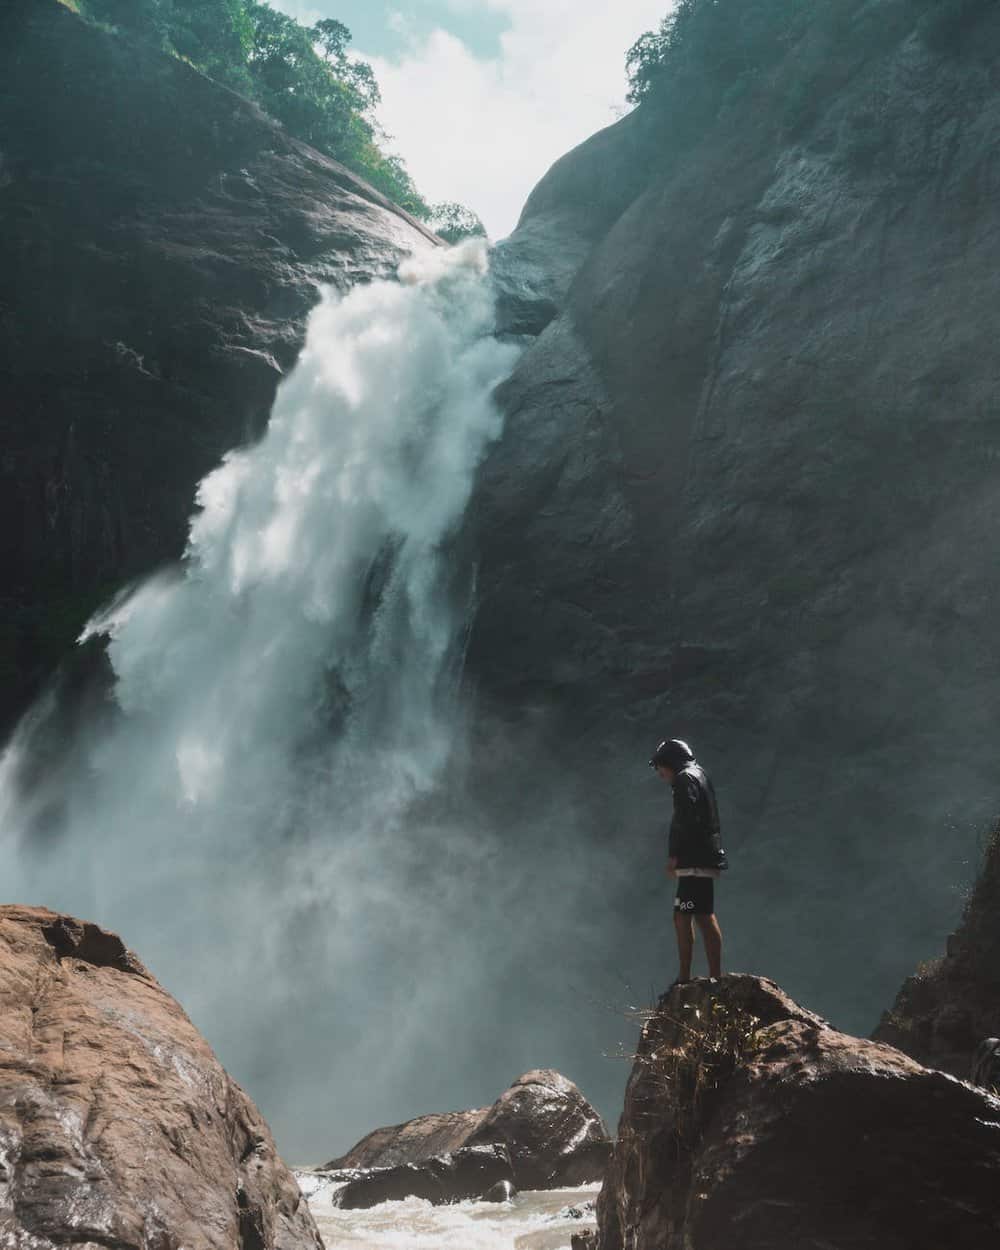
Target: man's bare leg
(711,935)
(684,927)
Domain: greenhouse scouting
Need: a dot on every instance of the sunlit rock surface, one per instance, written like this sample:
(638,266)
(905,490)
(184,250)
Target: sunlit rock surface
(750,1123)
(164,239)
(118,1126)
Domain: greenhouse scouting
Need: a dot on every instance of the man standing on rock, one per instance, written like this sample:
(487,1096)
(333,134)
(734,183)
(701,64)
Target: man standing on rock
(696,857)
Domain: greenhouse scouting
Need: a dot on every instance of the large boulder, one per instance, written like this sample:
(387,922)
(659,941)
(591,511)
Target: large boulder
(751,1123)
(553,1134)
(472,1172)
(118,1126)
(542,1124)
(164,239)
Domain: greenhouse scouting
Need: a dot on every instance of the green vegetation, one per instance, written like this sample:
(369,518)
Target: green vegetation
(710,58)
(453,222)
(301,75)
(715,1040)
(687,1058)
(715,45)
(706,55)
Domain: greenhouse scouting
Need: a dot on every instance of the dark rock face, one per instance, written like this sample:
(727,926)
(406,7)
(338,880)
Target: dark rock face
(749,1122)
(554,1136)
(745,481)
(947,1010)
(471,1172)
(161,244)
(543,1126)
(117,1124)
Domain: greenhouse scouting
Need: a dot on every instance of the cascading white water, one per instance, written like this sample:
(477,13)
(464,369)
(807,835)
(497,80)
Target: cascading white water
(246,820)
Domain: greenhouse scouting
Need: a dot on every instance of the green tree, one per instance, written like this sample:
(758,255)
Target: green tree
(302,75)
(717,42)
(452,222)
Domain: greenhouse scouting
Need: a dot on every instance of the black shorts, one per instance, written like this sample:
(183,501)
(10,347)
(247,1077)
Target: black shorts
(695,896)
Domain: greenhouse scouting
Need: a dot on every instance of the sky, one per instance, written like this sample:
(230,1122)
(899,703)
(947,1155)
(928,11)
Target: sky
(482,96)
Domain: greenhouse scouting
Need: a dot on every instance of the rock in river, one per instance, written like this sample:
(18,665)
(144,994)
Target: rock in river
(749,1122)
(550,1133)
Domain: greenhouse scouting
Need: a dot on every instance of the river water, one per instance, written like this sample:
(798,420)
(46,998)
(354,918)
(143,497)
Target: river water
(533,1221)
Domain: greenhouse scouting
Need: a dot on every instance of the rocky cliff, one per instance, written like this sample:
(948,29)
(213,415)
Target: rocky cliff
(160,241)
(747,492)
(950,1005)
(118,1127)
(749,1122)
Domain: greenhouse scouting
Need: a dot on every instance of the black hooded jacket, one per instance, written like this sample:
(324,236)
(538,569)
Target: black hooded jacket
(695,837)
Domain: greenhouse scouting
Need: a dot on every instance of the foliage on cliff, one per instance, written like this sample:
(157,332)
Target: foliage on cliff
(302,75)
(707,55)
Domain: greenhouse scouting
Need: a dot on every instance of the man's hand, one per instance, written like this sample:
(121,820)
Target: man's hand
(672,866)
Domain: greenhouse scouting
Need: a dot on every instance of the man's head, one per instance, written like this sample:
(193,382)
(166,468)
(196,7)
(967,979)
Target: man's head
(670,757)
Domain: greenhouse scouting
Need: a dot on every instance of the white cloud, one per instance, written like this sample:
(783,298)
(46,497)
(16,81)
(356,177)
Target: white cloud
(484,131)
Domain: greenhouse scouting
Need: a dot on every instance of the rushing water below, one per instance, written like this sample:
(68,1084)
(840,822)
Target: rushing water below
(533,1221)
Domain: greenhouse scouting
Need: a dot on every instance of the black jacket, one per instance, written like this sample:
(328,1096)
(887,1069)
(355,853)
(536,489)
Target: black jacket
(695,838)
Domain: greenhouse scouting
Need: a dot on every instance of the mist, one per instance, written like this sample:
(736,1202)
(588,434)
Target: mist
(262,813)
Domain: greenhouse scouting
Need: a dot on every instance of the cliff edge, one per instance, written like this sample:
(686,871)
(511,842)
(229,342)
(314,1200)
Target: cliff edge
(750,1122)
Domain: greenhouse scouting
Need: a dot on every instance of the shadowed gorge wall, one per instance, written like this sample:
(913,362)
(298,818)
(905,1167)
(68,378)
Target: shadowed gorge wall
(748,490)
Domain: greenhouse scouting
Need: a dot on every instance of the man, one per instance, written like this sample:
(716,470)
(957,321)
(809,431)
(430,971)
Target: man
(696,857)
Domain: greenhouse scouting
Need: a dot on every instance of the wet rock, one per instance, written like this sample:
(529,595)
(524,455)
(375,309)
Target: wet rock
(502,1191)
(586,1240)
(466,1173)
(750,1122)
(576,1213)
(422,1138)
(118,1126)
(552,1134)
(986,1064)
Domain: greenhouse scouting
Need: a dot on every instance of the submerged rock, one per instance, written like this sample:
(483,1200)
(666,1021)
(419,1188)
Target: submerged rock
(543,1124)
(750,1122)
(118,1126)
(502,1191)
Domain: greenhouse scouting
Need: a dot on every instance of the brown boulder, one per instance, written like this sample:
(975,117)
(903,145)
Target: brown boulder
(551,1132)
(118,1126)
(750,1123)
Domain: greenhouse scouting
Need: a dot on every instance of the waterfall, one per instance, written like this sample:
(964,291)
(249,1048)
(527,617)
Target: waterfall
(255,817)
